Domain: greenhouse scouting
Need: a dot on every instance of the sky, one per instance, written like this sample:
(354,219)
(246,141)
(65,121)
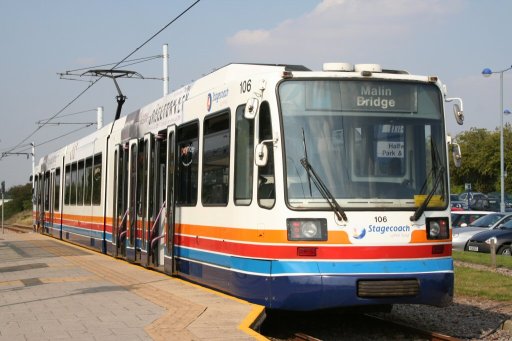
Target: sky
(40,39)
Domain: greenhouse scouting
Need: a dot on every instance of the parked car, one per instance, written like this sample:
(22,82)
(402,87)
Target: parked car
(461,235)
(456,204)
(495,198)
(475,200)
(494,202)
(464,218)
(501,235)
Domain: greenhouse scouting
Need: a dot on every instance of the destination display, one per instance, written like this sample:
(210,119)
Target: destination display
(371,96)
(378,96)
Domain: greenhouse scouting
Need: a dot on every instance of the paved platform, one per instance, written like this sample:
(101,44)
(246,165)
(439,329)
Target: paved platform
(52,290)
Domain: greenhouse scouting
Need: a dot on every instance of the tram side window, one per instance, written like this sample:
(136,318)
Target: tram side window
(35,190)
(96,180)
(56,201)
(80,183)
(88,181)
(67,185)
(47,191)
(266,174)
(215,186)
(73,183)
(244,158)
(187,172)
(39,197)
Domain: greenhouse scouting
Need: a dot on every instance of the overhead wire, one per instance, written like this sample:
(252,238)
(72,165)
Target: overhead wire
(66,134)
(132,61)
(157,33)
(51,118)
(71,114)
(72,75)
(29,146)
(98,79)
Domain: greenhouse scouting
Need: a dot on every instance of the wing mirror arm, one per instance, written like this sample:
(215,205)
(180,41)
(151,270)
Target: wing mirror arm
(253,104)
(458,109)
(251,108)
(455,149)
(261,152)
(457,156)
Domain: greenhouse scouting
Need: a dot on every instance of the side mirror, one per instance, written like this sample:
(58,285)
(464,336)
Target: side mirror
(251,108)
(458,110)
(457,157)
(459,114)
(261,154)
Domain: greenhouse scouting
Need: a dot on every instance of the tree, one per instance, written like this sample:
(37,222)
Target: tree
(21,200)
(480,150)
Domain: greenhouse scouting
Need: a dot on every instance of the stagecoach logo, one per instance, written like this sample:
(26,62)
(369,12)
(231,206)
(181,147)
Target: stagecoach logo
(391,231)
(388,229)
(214,97)
(358,233)
(209,103)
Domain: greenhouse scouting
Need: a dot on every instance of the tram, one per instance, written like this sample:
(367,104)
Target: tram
(286,187)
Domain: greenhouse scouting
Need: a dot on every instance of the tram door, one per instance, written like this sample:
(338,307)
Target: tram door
(35,201)
(148,200)
(169,262)
(120,207)
(157,246)
(47,218)
(56,202)
(39,203)
(52,202)
(134,209)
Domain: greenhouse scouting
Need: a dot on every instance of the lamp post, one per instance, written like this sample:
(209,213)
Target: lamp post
(487,73)
(505,112)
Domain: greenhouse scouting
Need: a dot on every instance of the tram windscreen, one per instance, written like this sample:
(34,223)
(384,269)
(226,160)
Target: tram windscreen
(373,143)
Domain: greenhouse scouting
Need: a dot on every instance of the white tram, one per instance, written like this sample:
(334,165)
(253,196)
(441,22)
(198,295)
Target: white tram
(286,187)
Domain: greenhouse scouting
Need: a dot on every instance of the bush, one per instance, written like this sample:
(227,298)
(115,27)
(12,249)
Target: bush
(21,200)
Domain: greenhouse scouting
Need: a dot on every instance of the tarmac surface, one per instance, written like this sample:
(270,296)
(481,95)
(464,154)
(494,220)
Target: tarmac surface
(51,290)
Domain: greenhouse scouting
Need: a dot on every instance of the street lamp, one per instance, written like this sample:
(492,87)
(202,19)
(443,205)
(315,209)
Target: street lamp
(487,73)
(506,112)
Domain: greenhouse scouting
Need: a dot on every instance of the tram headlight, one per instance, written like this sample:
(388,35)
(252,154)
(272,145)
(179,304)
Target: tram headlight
(437,228)
(306,229)
(434,229)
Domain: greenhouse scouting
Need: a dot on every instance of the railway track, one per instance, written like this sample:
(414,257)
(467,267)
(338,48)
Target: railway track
(335,325)
(18,228)
(428,335)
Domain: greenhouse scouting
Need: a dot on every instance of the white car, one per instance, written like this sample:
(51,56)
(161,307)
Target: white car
(461,235)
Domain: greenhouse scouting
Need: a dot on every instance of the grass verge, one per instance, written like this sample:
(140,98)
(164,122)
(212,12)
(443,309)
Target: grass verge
(482,258)
(23,218)
(482,283)
(485,282)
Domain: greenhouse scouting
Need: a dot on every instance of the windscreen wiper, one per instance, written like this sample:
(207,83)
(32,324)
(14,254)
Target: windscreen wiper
(423,206)
(439,171)
(338,211)
(306,157)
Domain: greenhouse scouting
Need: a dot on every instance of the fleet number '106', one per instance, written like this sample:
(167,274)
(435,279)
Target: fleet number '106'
(381,219)
(245,86)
